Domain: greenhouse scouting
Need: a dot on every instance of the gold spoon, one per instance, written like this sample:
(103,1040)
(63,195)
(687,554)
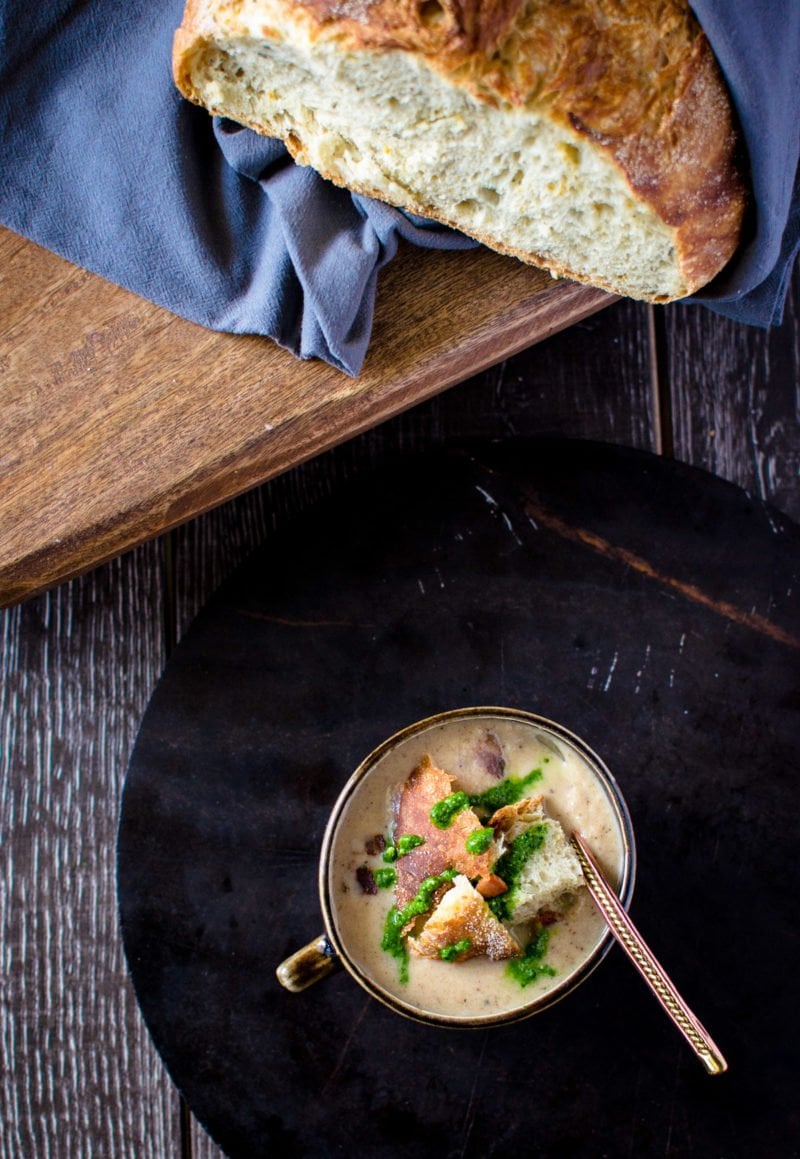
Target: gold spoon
(645,961)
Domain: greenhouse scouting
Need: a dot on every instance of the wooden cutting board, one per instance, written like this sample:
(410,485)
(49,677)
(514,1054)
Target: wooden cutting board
(119,420)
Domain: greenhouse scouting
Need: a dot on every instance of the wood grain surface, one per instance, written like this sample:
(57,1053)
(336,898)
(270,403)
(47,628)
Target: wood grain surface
(79,1074)
(74,1083)
(119,420)
(735,397)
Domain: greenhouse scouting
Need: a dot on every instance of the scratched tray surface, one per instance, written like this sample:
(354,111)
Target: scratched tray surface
(646,605)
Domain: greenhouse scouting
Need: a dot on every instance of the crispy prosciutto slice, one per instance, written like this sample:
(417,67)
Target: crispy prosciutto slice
(443,848)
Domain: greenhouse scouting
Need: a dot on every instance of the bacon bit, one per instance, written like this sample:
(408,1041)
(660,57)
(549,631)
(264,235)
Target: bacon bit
(490,755)
(366,879)
(375,845)
(491,886)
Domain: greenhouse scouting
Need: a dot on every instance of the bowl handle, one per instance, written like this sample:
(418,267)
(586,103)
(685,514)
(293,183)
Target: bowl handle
(306,966)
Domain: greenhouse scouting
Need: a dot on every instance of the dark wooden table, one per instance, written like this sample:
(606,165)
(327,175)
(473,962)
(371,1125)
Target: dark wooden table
(79,1074)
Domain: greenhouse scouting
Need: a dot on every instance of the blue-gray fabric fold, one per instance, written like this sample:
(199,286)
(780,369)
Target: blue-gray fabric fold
(102,162)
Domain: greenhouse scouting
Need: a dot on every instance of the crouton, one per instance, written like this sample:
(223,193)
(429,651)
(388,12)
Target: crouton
(536,861)
(462,926)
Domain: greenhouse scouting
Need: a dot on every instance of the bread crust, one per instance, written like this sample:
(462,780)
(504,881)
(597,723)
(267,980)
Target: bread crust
(636,78)
(462,914)
(444,28)
(528,810)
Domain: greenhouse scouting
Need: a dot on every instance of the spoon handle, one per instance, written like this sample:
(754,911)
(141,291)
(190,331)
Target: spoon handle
(645,961)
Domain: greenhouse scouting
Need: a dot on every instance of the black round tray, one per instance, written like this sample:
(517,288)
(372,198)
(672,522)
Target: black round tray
(650,608)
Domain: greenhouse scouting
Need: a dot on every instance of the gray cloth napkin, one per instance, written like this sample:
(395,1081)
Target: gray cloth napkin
(102,162)
(757,43)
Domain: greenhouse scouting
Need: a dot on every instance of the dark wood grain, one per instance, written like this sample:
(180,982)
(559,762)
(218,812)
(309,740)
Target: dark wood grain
(79,1075)
(120,420)
(735,397)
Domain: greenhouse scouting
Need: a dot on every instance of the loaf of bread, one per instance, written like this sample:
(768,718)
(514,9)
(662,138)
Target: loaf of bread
(593,138)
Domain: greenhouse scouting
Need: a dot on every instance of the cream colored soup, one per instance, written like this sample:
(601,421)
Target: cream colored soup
(574,795)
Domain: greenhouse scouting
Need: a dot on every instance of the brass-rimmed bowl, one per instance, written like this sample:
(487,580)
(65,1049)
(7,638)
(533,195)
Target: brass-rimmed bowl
(331,950)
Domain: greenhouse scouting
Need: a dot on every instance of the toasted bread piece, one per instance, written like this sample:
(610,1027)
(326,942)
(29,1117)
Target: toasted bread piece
(551,875)
(443,848)
(463,916)
(512,820)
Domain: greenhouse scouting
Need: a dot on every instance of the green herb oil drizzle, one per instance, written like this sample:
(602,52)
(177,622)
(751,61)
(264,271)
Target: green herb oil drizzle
(397,919)
(404,845)
(455,950)
(510,867)
(408,842)
(445,811)
(531,965)
(479,840)
(385,878)
(506,792)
